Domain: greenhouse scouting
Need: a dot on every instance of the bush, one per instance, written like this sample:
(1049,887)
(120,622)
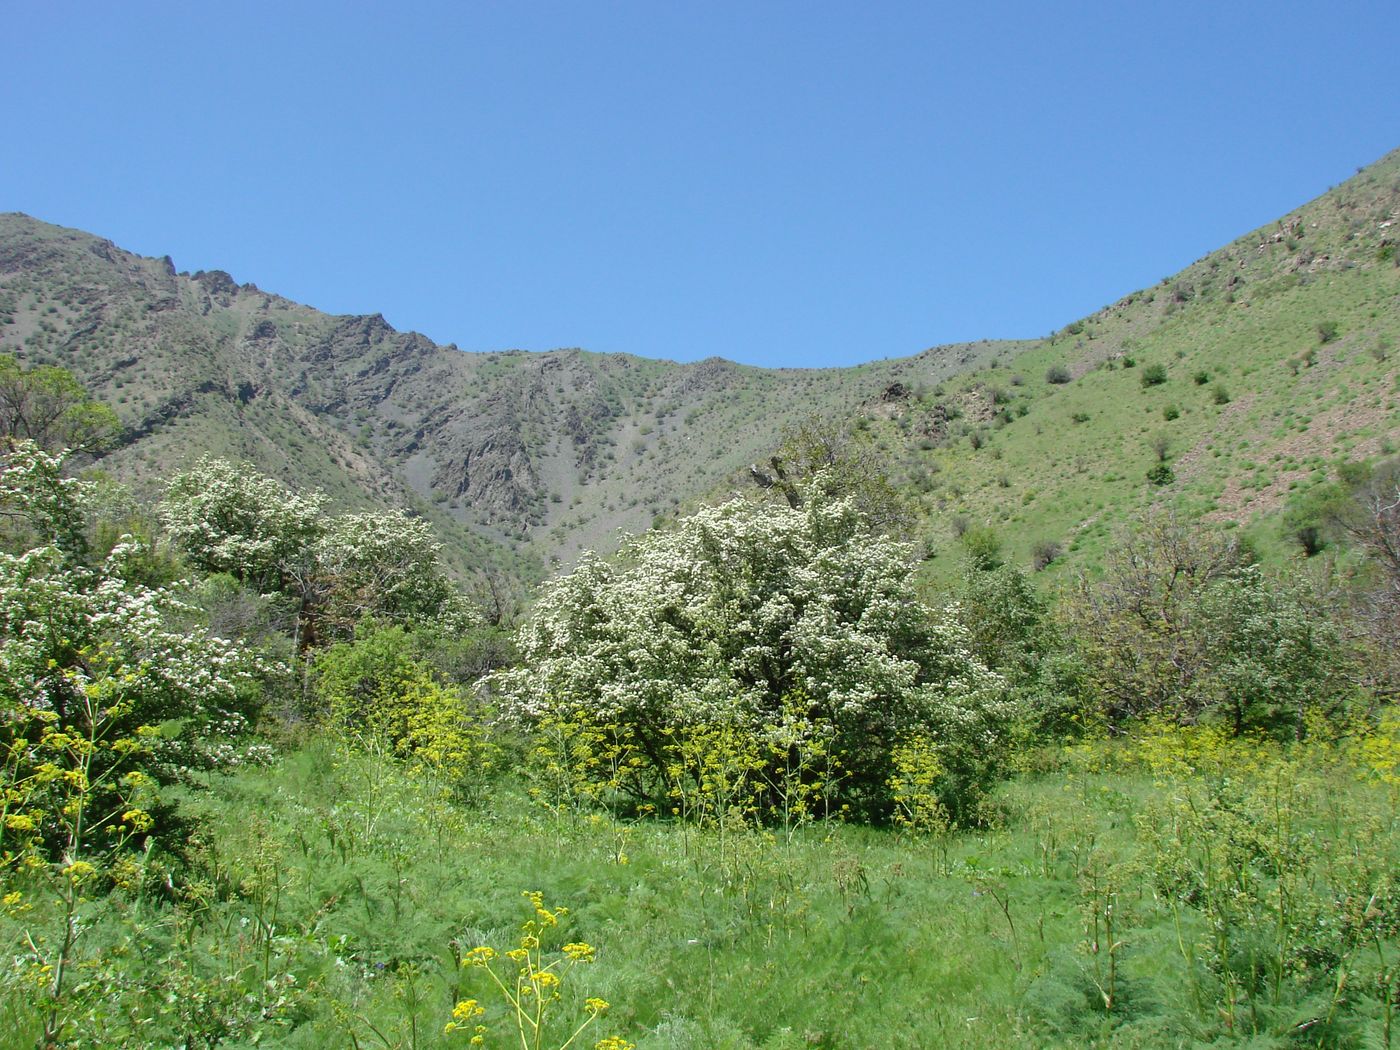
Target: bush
(1057,375)
(1154,375)
(771,653)
(1221,396)
(1201,378)
(983,546)
(377,692)
(1180,626)
(102,697)
(1161,474)
(1045,552)
(1327,331)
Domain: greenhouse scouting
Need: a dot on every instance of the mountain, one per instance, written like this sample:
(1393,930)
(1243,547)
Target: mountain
(1250,375)
(521,459)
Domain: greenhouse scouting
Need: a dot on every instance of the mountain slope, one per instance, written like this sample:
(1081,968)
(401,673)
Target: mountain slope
(1277,358)
(519,458)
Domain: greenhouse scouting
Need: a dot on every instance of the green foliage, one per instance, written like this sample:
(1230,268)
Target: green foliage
(1057,375)
(1045,552)
(48,406)
(1005,618)
(375,690)
(1161,474)
(1180,625)
(1180,887)
(838,461)
(982,545)
(1311,517)
(1154,375)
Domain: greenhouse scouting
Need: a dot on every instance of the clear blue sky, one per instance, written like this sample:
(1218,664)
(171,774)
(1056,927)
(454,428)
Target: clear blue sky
(781,183)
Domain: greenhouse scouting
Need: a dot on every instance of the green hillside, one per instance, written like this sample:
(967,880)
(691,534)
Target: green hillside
(1251,374)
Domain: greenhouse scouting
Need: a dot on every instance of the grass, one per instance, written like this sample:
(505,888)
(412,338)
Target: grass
(1180,891)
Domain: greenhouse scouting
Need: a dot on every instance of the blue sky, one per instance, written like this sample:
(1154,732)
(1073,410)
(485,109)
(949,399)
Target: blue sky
(779,183)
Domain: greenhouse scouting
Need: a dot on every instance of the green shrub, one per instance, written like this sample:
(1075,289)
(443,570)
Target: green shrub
(374,690)
(1154,375)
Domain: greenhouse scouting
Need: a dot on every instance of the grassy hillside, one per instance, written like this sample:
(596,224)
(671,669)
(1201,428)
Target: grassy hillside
(1250,375)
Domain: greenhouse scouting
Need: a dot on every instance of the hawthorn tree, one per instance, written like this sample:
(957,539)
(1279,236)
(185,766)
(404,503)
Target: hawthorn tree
(96,673)
(229,518)
(787,629)
(384,565)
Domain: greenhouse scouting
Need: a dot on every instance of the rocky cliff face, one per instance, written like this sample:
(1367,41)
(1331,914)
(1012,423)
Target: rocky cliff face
(519,458)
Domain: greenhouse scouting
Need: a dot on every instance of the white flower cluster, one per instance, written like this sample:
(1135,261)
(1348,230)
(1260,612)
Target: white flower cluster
(739,607)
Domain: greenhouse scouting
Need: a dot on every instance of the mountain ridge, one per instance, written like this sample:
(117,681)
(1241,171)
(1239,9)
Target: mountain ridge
(496,448)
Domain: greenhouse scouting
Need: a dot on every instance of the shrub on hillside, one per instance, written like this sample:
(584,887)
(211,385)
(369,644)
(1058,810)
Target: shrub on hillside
(1181,625)
(1057,375)
(1154,375)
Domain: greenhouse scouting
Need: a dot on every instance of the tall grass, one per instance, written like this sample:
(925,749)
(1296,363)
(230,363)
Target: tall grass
(1180,890)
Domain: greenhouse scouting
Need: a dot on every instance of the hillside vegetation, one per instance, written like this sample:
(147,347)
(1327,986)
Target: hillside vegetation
(819,763)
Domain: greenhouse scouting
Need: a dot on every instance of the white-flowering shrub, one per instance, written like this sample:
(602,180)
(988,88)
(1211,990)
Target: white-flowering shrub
(229,518)
(753,617)
(384,565)
(101,698)
(381,565)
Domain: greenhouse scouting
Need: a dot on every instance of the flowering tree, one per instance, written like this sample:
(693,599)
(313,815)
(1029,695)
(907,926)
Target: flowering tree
(92,675)
(796,627)
(229,518)
(384,565)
